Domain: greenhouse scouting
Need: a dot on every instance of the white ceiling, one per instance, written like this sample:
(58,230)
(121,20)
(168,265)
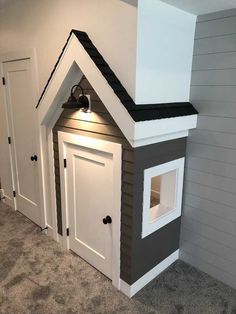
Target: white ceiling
(202,6)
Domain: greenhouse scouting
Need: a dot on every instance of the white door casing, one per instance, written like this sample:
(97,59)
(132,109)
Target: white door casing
(6,175)
(22,116)
(91,190)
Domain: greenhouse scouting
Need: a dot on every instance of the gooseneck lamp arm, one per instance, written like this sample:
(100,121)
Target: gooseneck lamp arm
(73,103)
(72,89)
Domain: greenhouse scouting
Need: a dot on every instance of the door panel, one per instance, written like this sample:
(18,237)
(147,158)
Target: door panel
(23,125)
(90,188)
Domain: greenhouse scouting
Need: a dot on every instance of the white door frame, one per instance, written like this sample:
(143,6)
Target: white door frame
(46,125)
(16,56)
(116,150)
(5,107)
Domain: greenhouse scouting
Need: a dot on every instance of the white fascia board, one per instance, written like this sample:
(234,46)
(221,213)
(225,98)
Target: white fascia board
(75,53)
(159,139)
(154,131)
(117,110)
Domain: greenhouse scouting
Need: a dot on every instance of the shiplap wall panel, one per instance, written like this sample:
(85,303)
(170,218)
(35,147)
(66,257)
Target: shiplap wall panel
(218,61)
(217,124)
(218,77)
(209,138)
(218,27)
(218,44)
(211,194)
(218,93)
(211,220)
(224,155)
(212,180)
(216,108)
(211,207)
(212,167)
(217,16)
(208,231)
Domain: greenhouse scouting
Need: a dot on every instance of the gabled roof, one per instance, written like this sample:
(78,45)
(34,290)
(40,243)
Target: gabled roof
(137,112)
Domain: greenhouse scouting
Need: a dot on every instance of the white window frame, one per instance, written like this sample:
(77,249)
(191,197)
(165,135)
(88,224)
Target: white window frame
(150,227)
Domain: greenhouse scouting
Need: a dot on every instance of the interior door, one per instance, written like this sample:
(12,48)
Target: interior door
(21,101)
(89,182)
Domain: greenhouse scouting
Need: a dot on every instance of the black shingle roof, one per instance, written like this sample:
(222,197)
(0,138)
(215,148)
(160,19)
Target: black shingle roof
(137,112)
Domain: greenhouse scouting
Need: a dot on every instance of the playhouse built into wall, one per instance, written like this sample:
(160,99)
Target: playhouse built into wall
(115,174)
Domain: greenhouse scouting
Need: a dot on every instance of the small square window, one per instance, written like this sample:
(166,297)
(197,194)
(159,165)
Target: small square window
(162,196)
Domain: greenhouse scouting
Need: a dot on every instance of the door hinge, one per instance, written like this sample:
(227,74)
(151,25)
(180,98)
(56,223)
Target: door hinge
(67,232)
(3,81)
(9,140)
(65,163)
(14,193)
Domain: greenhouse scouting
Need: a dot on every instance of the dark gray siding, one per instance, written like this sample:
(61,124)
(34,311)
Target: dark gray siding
(141,255)
(208,237)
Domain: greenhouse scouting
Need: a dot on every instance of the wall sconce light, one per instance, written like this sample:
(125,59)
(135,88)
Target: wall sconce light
(83,102)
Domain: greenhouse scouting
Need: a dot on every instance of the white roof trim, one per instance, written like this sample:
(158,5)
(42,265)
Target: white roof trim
(76,54)
(75,62)
(156,131)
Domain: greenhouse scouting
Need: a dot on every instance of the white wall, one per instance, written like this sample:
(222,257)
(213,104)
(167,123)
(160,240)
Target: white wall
(148,44)
(45,25)
(165,38)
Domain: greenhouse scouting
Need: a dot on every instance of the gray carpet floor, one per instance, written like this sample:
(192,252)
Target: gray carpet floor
(37,276)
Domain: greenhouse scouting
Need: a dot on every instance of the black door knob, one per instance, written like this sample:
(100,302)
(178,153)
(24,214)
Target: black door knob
(34,158)
(107,220)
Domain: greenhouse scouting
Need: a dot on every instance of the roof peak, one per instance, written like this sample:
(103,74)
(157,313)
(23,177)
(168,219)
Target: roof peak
(137,112)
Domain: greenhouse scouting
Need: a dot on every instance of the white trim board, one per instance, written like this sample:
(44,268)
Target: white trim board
(131,290)
(160,139)
(116,150)
(156,131)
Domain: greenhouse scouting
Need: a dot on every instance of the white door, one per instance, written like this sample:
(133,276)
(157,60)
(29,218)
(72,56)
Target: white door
(21,102)
(90,201)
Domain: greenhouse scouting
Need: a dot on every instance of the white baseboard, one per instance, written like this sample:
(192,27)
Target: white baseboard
(130,291)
